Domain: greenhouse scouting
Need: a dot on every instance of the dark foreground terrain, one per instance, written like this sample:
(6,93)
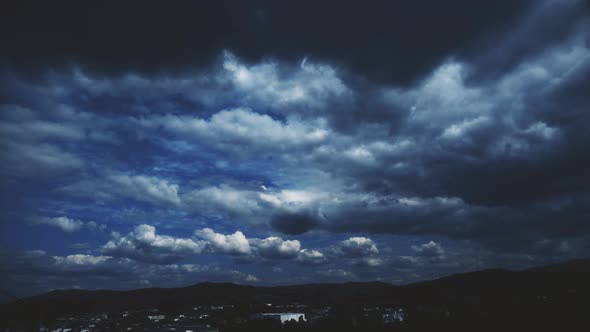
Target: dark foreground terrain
(549,298)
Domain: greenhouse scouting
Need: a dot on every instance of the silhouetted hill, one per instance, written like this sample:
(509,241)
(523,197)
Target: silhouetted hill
(578,265)
(559,290)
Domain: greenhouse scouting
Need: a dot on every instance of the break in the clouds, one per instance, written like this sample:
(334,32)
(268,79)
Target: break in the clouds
(276,143)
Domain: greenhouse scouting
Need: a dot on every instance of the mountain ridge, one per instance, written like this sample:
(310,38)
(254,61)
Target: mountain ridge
(577,265)
(477,293)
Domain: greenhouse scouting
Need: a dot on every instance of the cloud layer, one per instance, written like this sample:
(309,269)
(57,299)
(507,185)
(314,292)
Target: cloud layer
(400,148)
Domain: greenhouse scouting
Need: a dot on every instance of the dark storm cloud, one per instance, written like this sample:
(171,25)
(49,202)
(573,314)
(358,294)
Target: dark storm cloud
(293,223)
(536,32)
(372,38)
(516,140)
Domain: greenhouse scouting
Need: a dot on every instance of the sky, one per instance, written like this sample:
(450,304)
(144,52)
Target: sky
(147,144)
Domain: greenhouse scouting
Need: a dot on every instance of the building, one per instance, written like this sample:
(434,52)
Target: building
(281,316)
(394,315)
(157,317)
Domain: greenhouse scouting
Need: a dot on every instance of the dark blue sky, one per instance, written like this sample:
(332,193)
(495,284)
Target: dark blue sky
(276,142)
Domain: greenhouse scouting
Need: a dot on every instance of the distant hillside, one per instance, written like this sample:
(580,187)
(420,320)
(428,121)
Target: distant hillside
(578,265)
(80,301)
(559,288)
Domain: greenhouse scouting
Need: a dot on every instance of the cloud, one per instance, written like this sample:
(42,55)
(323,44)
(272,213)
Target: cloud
(268,28)
(80,260)
(290,212)
(538,30)
(38,143)
(34,160)
(143,244)
(293,223)
(430,249)
(368,262)
(307,86)
(229,128)
(276,248)
(224,198)
(31,263)
(299,211)
(234,244)
(272,247)
(452,163)
(311,257)
(355,247)
(147,188)
(62,123)
(26,260)
(311,137)
(98,272)
(67,224)
(64,223)
(141,188)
